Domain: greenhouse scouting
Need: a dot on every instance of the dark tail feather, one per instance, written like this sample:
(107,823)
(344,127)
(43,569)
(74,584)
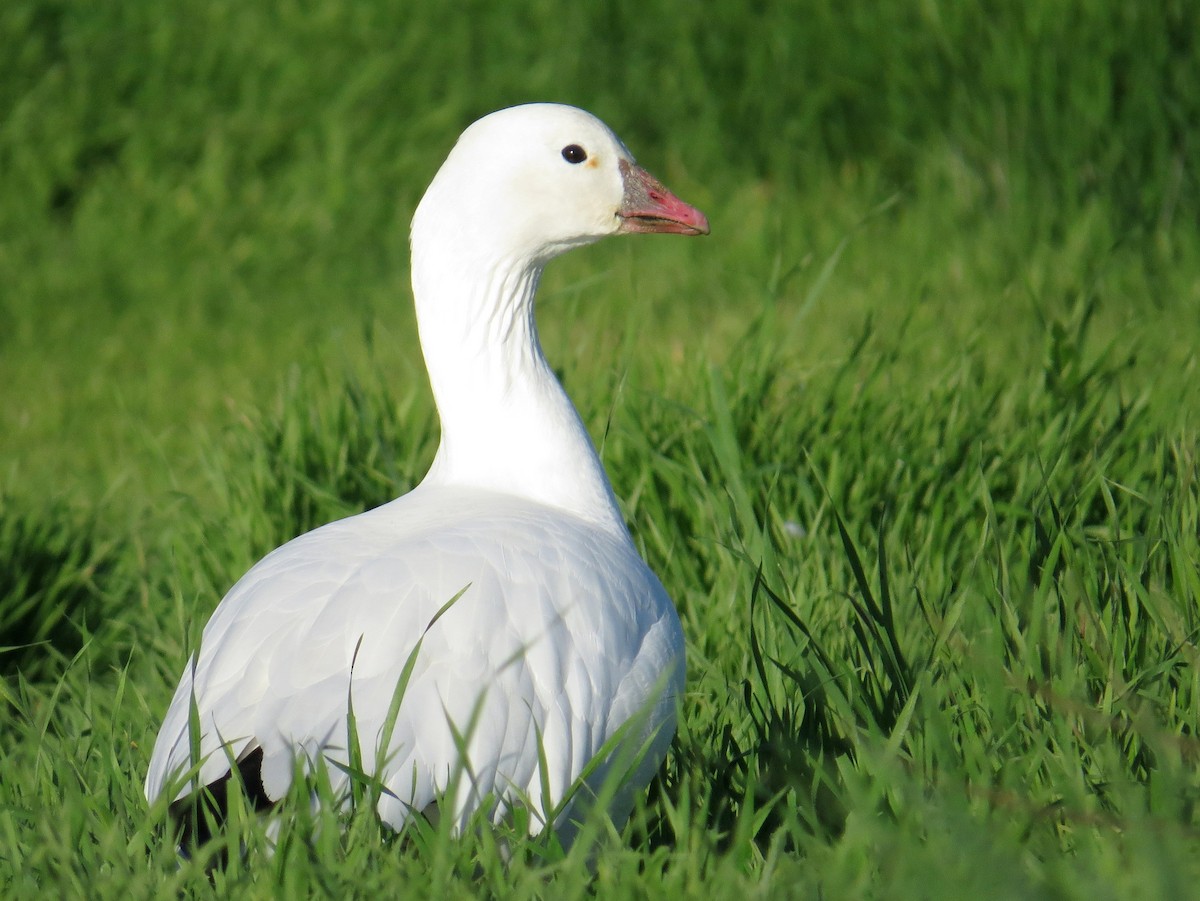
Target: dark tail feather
(202,815)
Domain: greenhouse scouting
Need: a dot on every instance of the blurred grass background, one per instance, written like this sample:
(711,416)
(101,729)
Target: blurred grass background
(952,296)
(193,196)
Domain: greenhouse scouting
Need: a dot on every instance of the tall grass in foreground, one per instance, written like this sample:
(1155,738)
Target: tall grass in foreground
(911,440)
(942,645)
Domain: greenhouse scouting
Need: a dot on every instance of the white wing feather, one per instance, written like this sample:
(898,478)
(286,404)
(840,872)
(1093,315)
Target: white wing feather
(560,624)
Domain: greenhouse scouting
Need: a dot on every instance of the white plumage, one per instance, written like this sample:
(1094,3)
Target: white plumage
(560,633)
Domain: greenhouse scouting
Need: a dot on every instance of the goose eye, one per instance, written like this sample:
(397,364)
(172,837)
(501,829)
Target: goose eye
(574,154)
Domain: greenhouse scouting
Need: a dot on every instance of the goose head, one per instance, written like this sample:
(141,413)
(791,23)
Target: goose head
(530,182)
(521,186)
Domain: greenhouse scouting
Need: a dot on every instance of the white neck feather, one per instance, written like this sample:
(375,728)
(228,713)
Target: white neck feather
(507,425)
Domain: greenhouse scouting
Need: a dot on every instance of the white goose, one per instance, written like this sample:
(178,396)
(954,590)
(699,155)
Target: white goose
(560,633)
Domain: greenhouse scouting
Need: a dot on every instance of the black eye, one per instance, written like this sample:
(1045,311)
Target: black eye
(574,154)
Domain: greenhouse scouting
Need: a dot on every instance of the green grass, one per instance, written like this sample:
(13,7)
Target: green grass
(911,439)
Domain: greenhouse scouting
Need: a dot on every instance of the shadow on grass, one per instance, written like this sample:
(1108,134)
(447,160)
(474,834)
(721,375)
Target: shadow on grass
(56,586)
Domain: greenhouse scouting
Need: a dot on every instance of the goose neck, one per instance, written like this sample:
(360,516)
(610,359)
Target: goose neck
(507,425)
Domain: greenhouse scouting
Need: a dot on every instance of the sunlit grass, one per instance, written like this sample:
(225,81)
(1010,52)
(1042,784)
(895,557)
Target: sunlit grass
(911,439)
